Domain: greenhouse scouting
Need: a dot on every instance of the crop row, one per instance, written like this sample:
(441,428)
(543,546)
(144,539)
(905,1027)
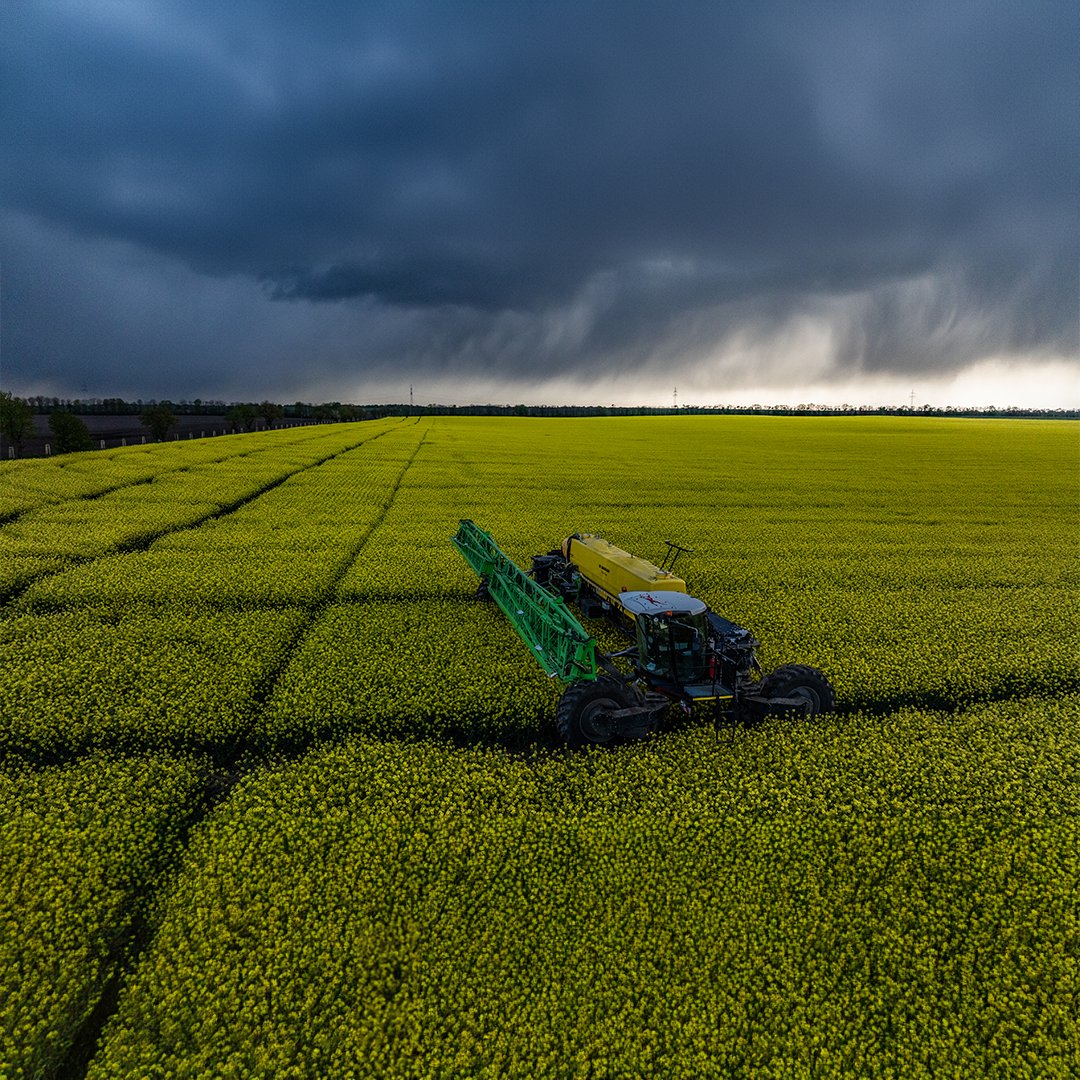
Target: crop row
(174,495)
(696,905)
(439,668)
(93,676)
(449,667)
(79,845)
(915,578)
(35,482)
(879,896)
(321,512)
(136,678)
(176,643)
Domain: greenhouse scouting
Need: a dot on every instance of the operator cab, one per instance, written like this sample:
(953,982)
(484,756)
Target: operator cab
(673,632)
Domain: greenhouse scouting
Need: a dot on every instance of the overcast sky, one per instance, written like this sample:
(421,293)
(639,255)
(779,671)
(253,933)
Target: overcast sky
(541,201)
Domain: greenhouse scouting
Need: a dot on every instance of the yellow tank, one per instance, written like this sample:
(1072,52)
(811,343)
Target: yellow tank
(611,571)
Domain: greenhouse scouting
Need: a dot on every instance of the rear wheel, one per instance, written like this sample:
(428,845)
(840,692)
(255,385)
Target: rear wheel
(802,683)
(583,712)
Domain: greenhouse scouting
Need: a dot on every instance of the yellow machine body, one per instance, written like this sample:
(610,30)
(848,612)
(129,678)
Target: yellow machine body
(609,570)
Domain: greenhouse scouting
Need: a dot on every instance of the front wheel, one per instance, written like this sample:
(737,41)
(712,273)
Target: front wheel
(802,683)
(583,715)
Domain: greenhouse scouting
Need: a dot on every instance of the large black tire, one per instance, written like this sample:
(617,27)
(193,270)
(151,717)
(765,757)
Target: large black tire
(580,715)
(800,681)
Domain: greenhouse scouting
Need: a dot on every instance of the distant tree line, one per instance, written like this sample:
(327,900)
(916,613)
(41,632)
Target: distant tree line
(744,410)
(69,433)
(247,415)
(16,419)
(244,413)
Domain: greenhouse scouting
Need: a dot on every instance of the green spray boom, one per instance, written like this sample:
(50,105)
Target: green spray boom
(557,641)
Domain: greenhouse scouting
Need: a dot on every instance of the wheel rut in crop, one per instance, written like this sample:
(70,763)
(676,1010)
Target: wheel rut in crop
(319,606)
(228,766)
(129,946)
(91,496)
(230,763)
(939,701)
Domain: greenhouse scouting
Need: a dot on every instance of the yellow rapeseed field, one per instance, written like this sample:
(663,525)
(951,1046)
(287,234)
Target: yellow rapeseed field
(275,775)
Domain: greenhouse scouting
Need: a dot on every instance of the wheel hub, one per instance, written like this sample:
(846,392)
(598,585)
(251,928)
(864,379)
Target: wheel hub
(807,694)
(595,722)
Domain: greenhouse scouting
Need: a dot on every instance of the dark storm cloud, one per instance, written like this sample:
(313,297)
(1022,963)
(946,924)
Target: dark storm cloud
(604,174)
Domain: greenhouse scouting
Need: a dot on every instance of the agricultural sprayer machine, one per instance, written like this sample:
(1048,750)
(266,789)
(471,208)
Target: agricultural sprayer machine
(681,652)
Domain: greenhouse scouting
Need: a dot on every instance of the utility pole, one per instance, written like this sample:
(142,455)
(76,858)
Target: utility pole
(410,398)
(675,398)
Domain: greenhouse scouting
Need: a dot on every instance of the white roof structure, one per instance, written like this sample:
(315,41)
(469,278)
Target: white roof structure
(661,602)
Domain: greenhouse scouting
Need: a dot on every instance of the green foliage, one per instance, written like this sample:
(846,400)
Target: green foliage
(16,419)
(270,412)
(69,433)
(242,417)
(158,419)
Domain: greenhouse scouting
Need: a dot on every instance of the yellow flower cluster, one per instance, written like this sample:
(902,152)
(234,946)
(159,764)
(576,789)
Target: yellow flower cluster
(17,571)
(79,845)
(100,503)
(411,670)
(135,678)
(34,482)
(177,642)
(327,502)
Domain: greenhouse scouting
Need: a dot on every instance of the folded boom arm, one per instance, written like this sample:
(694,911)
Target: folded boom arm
(557,641)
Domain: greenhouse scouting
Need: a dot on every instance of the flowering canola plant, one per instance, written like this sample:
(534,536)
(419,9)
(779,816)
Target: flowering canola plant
(831,903)
(80,845)
(411,879)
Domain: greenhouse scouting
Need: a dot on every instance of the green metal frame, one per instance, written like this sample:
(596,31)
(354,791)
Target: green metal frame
(555,638)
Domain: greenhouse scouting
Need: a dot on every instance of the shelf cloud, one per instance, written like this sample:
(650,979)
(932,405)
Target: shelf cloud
(202,199)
